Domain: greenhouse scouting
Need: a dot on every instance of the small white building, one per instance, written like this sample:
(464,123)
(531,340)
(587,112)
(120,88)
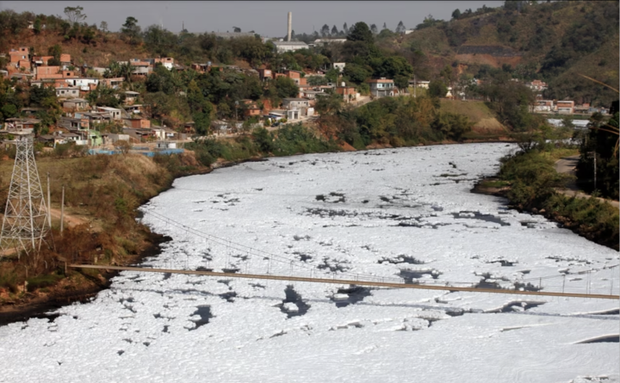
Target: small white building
(289,46)
(292,103)
(67,92)
(339,66)
(82,83)
(164,133)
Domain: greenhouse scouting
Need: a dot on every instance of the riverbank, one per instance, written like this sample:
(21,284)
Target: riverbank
(530,182)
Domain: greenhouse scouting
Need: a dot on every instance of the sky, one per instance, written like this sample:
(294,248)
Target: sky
(267,18)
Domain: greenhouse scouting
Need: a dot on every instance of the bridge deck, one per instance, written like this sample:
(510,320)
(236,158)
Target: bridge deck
(349,281)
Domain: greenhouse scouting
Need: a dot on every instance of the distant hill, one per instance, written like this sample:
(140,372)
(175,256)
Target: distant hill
(547,41)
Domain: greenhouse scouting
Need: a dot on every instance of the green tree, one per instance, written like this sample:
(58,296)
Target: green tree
(329,104)
(437,88)
(201,108)
(130,31)
(286,87)
(159,40)
(55,51)
(37,26)
(356,73)
(360,32)
(451,125)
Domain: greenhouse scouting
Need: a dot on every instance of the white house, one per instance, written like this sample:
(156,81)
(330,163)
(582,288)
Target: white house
(339,66)
(82,83)
(381,87)
(67,92)
(292,103)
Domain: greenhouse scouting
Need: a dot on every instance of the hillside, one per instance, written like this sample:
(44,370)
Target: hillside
(548,41)
(482,118)
(103,48)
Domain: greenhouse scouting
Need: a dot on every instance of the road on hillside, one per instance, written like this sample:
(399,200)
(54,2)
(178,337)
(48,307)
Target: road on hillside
(568,165)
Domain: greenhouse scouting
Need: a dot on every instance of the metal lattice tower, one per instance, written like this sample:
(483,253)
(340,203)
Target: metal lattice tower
(25,220)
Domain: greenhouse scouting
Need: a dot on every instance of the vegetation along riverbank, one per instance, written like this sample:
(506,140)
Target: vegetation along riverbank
(528,179)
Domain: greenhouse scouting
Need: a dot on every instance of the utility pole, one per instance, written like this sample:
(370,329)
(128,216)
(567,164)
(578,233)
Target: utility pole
(62,210)
(26,216)
(49,202)
(595,170)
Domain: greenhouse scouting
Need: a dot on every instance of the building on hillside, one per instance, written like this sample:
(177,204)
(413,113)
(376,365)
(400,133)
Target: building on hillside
(310,93)
(339,66)
(113,112)
(166,62)
(582,109)
(137,123)
(45,72)
(75,123)
(201,68)
(41,60)
(114,83)
(348,92)
(250,108)
(67,92)
(543,106)
(295,76)
(537,86)
(381,87)
(265,74)
(131,97)
(75,104)
(65,60)
(113,138)
(134,108)
(164,133)
(22,77)
(20,125)
(19,58)
(565,107)
(83,83)
(289,46)
(96,118)
(289,103)
(138,134)
(419,83)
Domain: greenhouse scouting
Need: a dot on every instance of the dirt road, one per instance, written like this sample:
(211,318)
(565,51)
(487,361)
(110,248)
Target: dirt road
(567,165)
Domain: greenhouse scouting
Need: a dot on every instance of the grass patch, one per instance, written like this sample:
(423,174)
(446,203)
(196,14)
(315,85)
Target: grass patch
(495,184)
(42,281)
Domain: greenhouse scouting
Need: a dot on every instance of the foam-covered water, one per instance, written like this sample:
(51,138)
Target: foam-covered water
(394,214)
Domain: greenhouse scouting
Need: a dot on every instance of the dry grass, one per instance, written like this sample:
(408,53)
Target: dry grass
(98,53)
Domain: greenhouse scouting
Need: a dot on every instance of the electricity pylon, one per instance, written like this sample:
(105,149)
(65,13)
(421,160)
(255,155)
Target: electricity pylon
(25,221)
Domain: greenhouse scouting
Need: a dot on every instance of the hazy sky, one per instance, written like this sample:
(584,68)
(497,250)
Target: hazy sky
(267,18)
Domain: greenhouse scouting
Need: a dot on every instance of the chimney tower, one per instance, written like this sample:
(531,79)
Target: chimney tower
(290,25)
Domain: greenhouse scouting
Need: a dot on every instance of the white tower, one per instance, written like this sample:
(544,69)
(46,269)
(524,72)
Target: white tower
(290,26)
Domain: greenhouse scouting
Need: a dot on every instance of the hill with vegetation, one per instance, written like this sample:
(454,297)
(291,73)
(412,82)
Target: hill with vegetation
(552,41)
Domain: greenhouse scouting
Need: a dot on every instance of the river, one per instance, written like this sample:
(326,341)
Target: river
(392,214)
